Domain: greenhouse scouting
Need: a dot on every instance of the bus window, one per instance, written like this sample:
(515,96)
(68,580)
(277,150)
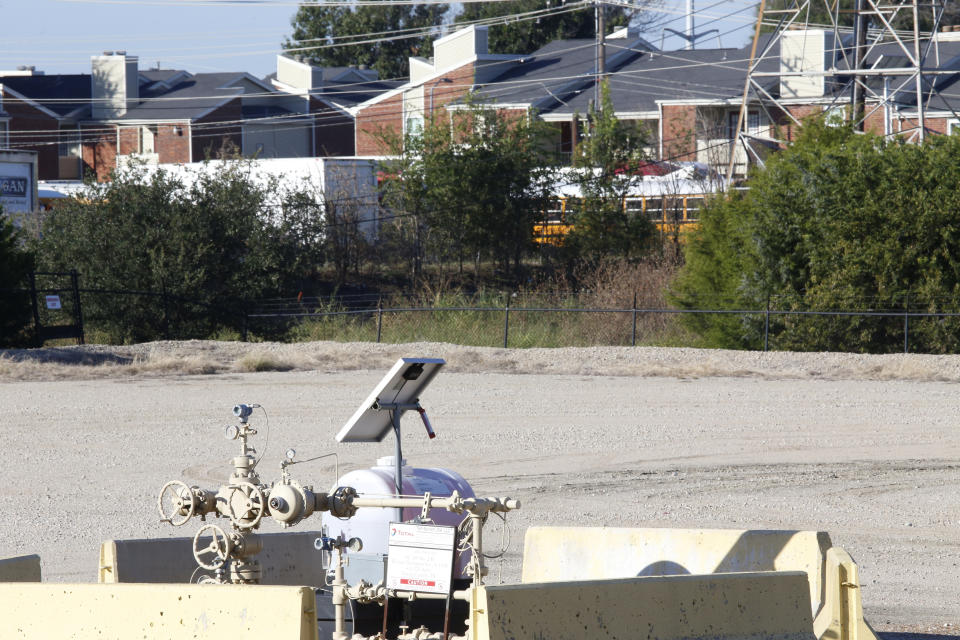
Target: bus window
(554,212)
(693,208)
(634,206)
(654,209)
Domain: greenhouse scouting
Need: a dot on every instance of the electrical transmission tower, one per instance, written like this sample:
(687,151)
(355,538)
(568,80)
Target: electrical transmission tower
(871,61)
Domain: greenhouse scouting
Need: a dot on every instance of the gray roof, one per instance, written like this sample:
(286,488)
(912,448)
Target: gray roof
(190,98)
(62,94)
(946,92)
(555,72)
(701,74)
(349,94)
(149,76)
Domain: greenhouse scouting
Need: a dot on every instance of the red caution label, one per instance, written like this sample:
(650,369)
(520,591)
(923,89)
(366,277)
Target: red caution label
(418,583)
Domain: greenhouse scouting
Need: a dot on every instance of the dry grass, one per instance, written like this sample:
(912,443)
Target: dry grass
(172,359)
(253,362)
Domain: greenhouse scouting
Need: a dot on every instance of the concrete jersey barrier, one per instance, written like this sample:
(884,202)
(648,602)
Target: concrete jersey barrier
(20,569)
(287,559)
(156,611)
(557,554)
(734,606)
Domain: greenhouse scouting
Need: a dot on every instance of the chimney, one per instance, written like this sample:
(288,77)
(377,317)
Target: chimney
(299,74)
(803,51)
(459,47)
(115,84)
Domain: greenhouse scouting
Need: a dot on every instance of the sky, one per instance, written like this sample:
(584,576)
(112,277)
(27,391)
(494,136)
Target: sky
(59,36)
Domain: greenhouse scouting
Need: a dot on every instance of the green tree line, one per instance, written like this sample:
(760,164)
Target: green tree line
(464,191)
(839,221)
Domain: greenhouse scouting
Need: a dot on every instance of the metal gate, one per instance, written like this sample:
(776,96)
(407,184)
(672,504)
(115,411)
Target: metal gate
(56,305)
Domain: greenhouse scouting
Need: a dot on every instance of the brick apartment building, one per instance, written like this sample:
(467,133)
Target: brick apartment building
(91,124)
(688,101)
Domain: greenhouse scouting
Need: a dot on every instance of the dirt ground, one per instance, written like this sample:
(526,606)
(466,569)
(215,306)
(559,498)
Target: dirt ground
(864,447)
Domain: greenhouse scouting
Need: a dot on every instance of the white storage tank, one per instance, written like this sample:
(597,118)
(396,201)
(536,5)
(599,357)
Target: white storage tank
(371,525)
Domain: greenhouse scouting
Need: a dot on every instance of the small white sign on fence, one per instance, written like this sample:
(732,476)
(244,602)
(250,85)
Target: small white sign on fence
(53,302)
(420,557)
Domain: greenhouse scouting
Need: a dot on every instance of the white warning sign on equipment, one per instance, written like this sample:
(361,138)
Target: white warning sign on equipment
(420,557)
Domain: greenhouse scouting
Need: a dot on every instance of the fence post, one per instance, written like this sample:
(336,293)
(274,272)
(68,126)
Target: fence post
(633,333)
(766,326)
(246,323)
(36,310)
(906,325)
(379,317)
(77,311)
(166,311)
(506,323)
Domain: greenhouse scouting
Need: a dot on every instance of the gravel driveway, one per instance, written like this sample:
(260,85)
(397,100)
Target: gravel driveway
(864,447)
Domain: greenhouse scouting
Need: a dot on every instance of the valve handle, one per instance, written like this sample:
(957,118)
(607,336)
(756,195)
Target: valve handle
(217,551)
(175,498)
(246,504)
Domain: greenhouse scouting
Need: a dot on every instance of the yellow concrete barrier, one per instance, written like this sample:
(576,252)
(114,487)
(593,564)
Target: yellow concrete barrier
(591,553)
(20,569)
(734,606)
(287,559)
(155,612)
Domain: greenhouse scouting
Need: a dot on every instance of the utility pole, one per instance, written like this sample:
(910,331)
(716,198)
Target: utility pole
(601,54)
(857,98)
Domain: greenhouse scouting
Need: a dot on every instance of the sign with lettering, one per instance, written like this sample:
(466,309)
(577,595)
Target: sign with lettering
(420,557)
(18,188)
(53,302)
(13,187)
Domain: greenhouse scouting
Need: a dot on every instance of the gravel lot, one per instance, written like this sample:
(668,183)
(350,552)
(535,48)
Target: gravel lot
(864,447)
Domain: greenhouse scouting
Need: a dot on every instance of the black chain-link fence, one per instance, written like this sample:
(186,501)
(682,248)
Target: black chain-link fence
(526,327)
(494,320)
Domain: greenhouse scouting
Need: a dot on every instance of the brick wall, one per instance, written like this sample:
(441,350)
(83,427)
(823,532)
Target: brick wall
(909,126)
(788,128)
(33,130)
(386,117)
(679,132)
(443,92)
(99,150)
(173,142)
(129,139)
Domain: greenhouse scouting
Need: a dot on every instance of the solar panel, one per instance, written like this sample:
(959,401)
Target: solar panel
(402,385)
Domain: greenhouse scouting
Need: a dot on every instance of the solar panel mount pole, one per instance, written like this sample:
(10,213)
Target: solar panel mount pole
(397,410)
(395,415)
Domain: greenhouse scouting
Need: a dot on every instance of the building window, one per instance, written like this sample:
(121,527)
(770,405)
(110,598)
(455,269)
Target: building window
(414,125)
(953,126)
(835,116)
(4,135)
(69,146)
(754,127)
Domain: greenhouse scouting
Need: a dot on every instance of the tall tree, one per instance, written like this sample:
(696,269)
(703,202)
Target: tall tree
(386,36)
(477,182)
(605,165)
(15,266)
(204,244)
(526,36)
(824,12)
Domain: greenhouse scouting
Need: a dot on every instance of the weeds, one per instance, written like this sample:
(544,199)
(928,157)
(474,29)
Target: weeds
(559,313)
